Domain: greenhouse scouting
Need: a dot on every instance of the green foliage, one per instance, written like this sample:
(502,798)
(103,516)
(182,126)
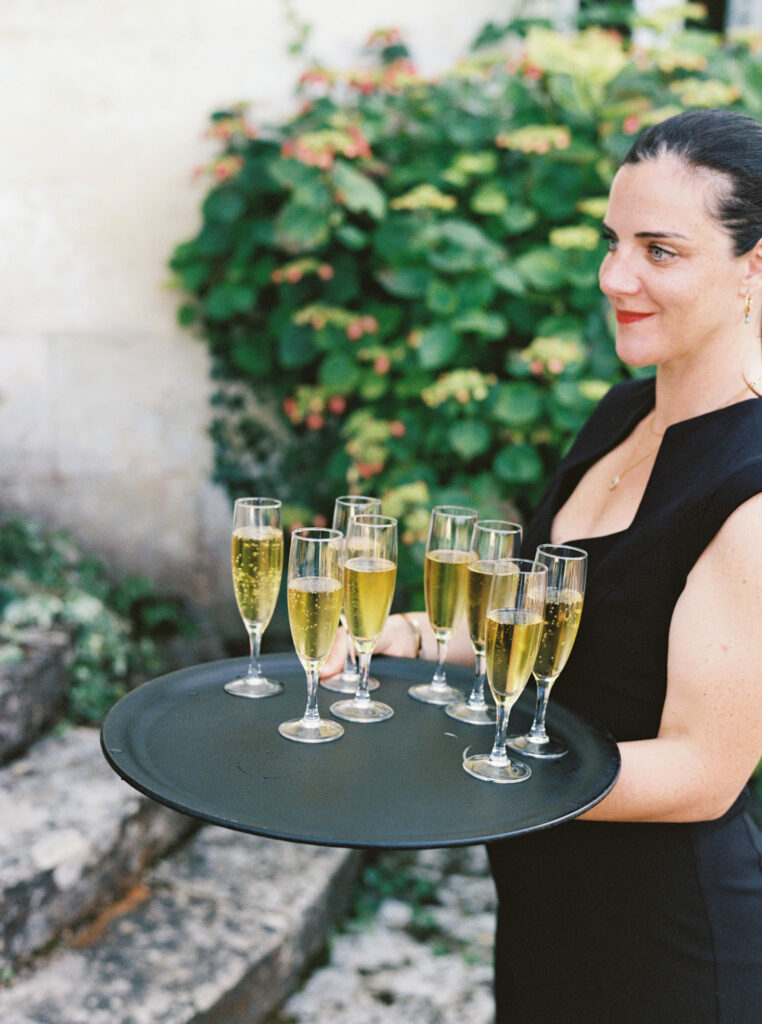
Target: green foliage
(45,581)
(398,286)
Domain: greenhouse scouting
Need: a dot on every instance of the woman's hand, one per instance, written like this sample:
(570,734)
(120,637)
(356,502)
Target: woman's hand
(399,639)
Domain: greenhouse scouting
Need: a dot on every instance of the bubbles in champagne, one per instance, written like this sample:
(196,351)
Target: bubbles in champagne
(257,561)
(368,592)
(513,638)
(314,603)
(444,583)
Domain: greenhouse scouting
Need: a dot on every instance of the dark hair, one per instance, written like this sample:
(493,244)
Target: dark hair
(721,141)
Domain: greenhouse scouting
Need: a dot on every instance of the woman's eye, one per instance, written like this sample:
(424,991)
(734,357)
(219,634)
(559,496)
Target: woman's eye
(658,254)
(611,242)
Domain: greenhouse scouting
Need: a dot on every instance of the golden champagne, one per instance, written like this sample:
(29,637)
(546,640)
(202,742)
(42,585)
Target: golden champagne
(257,559)
(444,586)
(314,604)
(477,594)
(563,609)
(513,638)
(368,592)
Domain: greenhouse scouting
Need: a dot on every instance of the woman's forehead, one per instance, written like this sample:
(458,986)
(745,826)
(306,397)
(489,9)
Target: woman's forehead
(665,194)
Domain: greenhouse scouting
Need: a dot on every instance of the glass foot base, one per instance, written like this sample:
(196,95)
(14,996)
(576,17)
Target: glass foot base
(552,749)
(480,766)
(428,693)
(253,687)
(479,715)
(322,731)
(350,711)
(346,683)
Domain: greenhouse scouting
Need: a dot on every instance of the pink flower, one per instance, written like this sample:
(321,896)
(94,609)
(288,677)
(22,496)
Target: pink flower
(537,366)
(369,324)
(631,124)
(355,330)
(555,366)
(397,428)
(314,421)
(382,364)
(336,405)
(325,271)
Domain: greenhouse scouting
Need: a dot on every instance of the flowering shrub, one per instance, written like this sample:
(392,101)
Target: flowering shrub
(399,285)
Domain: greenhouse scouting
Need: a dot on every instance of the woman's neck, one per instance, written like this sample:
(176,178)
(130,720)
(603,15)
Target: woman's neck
(702,386)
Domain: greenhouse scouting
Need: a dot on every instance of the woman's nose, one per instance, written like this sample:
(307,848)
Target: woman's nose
(617,276)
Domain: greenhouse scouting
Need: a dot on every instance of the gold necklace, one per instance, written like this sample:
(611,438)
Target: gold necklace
(614,481)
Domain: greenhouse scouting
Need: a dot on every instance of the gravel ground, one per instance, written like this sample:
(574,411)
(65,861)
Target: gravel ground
(418,947)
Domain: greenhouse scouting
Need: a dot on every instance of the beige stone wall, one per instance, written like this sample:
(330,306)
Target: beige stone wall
(103,400)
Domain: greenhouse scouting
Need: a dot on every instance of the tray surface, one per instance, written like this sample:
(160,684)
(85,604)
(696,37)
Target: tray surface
(184,741)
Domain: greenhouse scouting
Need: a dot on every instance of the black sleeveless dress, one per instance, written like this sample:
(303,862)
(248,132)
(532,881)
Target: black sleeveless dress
(620,923)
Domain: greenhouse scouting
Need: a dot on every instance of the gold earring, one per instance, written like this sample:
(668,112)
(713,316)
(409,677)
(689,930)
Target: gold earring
(747,310)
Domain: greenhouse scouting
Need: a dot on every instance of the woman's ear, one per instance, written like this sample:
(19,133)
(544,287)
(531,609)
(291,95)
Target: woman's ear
(752,278)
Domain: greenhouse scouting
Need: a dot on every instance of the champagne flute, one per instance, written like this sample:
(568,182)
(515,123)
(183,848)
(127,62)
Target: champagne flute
(515,610)
(257,562)
(345,508)
(370,572)
(493,540)
(314,606)
(444,584)
(567,569)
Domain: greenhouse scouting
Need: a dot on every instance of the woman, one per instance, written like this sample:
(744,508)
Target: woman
(650,911)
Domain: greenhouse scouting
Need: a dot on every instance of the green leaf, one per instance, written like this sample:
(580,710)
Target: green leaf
(489,200)
(509,279)
(439,345)
(441,298)
(405,282)
(518,464)
(226,300)
(358,192)
(301,228)
(187,314)
(469,438)
(352,237)
(251,360)
(339,373)
(477,321)
(295,348)
(225,205)
(518,219)
(517,404)
(373,387)
(542,268)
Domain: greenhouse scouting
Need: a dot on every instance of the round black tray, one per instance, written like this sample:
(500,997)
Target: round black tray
(184,741)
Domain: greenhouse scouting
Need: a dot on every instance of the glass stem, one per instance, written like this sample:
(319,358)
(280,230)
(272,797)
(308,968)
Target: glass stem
(349,664)
(537,733)
(363,686)
(255,642)
(499,755)
(311,715)
(439,678)
(476,698)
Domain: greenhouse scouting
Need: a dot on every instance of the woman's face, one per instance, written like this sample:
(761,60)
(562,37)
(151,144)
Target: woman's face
(670,273)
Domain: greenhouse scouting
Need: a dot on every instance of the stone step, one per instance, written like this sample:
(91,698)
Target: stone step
(32,692)
(73,835)
(217,933)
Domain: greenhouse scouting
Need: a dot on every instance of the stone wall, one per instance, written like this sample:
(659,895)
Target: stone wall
(103,400)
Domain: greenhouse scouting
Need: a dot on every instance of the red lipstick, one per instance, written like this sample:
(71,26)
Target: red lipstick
(624,316)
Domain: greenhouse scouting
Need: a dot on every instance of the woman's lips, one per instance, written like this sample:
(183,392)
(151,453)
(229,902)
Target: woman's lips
(624,316)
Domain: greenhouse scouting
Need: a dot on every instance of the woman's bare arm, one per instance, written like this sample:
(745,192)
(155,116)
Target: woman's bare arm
(710,737)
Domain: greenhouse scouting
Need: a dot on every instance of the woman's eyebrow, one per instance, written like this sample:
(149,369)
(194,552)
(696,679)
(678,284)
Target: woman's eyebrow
(660,234)
(609,232)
